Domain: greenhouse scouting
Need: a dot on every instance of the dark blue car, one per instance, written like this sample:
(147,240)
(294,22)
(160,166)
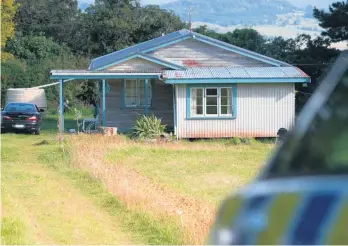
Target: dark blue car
(21,117)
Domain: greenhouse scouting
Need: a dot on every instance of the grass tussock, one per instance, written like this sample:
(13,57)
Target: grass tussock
(181,180)
(12,231)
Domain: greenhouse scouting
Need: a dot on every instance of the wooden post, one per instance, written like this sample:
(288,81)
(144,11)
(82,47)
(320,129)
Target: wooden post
(146,96)
(104,103)
(61,106)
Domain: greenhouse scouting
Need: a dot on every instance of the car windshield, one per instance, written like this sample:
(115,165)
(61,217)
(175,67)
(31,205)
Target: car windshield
(20,107)
(324,146)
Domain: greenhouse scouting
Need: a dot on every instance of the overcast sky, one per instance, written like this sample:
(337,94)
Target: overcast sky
(299,3)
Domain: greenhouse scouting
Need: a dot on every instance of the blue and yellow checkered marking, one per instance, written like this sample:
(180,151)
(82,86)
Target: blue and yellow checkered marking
(309,225)
(337,232)
(292,218)
(280,213)
(315,218)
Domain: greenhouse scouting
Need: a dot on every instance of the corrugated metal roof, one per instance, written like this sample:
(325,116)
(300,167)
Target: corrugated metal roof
(121,54)
(235,72)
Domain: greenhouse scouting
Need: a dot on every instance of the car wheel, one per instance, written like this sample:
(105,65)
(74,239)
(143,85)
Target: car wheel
(37,132)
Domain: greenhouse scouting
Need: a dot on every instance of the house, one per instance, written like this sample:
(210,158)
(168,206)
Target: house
(199,86)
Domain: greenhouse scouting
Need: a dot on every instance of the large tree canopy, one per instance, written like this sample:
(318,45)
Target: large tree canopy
(34,48)
(8,10)
(111,25)
(52,18)
(335,21)
(152,22)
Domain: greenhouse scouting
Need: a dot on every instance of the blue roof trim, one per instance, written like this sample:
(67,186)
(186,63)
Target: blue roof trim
(168,43)
(145,57)
(111,76)
(238,50)
(238,81)
(173,38)
(117,55)
(243,52)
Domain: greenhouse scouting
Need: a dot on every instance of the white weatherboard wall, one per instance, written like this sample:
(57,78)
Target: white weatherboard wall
(261,110)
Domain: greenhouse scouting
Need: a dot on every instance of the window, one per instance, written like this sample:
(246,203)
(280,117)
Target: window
(211,102)
(211,105)
(20,107)
(197,102)
(226,102)
(135,93)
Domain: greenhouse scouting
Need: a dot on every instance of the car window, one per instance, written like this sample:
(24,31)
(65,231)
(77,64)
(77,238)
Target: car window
(19,107)
(324,146)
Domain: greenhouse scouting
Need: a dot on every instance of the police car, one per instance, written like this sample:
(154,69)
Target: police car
(301,196)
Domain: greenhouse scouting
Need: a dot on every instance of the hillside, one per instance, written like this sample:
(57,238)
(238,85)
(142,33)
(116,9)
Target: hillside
(236,12)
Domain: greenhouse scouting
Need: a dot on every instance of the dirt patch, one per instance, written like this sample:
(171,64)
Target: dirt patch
(43,142)
(139,191)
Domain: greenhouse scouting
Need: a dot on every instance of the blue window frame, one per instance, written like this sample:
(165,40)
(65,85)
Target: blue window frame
(134,94)
(217,101)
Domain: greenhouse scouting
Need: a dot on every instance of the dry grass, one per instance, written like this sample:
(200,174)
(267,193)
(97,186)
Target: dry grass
(169,179)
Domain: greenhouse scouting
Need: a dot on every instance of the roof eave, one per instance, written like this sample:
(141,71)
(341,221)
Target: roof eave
(64,75)
(236,80)
(142,56)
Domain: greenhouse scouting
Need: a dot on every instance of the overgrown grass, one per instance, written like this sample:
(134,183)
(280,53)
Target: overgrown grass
(12,231)
(149,229)
(84,109)
(60,204)
(50,120)
(203,169)
(191,177)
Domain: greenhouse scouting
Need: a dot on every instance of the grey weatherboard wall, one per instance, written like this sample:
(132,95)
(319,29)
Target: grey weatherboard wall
(124,118)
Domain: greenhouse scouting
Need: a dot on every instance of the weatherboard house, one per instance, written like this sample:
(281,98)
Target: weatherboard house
(199,86)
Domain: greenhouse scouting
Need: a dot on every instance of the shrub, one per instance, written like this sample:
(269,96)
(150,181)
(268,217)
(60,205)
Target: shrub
(148,127)
(235,141)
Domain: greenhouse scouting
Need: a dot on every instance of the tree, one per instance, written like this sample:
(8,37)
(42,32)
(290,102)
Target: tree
(12,75)
(105,27)
(335,21)
(35,48)
(8,11)
(111,25)
(207,32)
(152,22)
(36,57)
(51,18)
(246,38)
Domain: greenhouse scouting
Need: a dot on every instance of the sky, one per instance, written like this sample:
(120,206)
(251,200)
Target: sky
(299,3)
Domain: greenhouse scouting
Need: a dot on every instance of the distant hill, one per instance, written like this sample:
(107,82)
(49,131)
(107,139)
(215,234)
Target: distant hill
(232,12)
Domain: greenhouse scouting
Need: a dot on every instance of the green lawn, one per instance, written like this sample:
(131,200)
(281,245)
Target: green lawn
(206,169)
(46,201)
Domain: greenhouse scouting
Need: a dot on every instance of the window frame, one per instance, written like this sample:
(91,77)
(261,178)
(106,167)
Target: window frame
(151,93)
(219,115)
(220,101)
(205,105)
